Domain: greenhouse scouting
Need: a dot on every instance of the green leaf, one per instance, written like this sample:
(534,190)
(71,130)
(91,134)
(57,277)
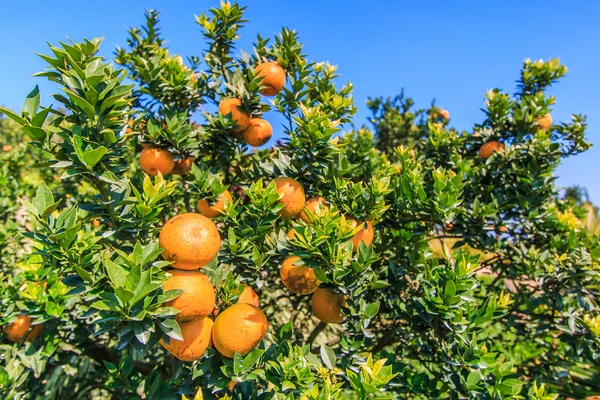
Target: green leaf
(142,334)
(450,288)
(123,294)
(328,356)
(110,101)
(251,359)
(39,118)
(4,379)
(105,305)
(81,103)
(143,209)
(171,328)
(510,387)
(354,379)
(78,146)
(371,310)
(32,102)
(473,378)
(596,253)
(92,157)
(43,199)
(126,367)
(285,332)
(10,114)
(30,207)
(83,273)
(66,237)
(169,295)
(116,273)
(237,363)
(34,132)
(112,368)
(380,284)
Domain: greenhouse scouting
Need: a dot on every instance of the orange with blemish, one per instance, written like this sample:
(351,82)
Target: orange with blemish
(299,279)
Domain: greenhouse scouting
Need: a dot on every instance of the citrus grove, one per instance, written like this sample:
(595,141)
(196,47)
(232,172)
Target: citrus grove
(155,252)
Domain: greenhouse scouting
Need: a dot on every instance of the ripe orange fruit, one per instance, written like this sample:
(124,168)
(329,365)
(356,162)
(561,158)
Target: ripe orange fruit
(248,296)
(239,328)
(311,205)
(18,328)
(190,240)
(197,300)
(445,114)
(291,234)
(366,234)
(292,196)
(96,222)
(196,338)
(273,78)
(543,124)
(258,132)
(183,165)
(154,160)
(7,147)
(327,305)
(298,278)
(490,148)
(230,106)
(215,210)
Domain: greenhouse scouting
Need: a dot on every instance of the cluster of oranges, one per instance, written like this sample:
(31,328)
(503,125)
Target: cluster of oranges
(487,149)
(300,279)
(254,131)
(191,241)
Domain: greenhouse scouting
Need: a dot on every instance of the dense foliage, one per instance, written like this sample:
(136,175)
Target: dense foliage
(508,310)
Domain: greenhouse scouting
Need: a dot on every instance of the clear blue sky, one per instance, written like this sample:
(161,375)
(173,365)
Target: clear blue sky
(448,50)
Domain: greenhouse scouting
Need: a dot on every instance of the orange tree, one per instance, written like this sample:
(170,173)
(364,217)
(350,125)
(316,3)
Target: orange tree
(173,261)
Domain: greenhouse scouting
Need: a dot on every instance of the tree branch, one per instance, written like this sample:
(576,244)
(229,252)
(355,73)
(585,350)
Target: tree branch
(315,332)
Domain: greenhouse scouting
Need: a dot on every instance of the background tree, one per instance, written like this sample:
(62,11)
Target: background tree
(510,311)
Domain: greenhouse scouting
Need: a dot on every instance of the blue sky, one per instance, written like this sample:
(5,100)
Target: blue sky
(450,51)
